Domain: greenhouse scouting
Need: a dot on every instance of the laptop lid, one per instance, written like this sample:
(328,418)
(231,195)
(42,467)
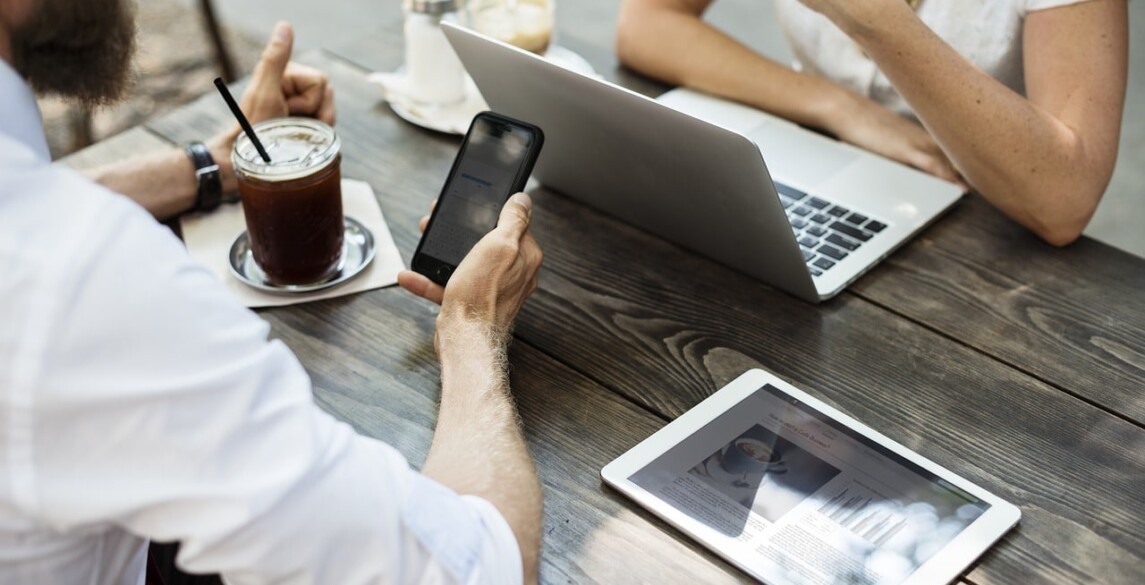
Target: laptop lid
(702,184)
(693,183)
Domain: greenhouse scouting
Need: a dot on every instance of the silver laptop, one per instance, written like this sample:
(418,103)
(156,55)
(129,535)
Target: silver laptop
(690,168)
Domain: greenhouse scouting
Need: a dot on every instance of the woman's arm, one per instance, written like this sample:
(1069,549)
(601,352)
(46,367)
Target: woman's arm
(668,40)
(1045,159)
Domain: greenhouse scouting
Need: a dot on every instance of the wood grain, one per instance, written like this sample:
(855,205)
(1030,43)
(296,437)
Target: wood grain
(129,143)
(372,362)
(1073,317)
(664,328)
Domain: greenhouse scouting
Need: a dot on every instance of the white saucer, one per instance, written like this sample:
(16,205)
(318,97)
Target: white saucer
(455,118)
(357,251)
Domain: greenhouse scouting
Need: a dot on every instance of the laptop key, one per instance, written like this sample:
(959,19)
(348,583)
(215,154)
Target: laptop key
(820,218)
(815,272)
(803,211)
(823,263)
(791,192)
(856,219)
(842,242)
(807,255)
(852,231)
(786,202)
(818,203)
(808,242)
(798,222)
(838,211)
(816,231)
(832,251)
(875,226)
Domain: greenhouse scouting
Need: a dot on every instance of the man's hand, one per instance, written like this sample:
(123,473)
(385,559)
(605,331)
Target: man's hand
(494,279)
(279,88)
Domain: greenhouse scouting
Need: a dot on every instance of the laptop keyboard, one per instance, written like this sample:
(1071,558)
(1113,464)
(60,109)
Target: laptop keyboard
(827,233)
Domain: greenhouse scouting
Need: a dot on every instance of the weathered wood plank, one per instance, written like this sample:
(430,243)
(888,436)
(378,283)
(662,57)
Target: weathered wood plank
(666,327)
(129,143)
(1073,317)
(372,362)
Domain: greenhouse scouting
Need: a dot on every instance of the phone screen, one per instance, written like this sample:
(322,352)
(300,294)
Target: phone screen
(488,169)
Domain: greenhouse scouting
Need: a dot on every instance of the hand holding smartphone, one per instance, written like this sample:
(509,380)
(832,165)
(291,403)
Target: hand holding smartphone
(494,162)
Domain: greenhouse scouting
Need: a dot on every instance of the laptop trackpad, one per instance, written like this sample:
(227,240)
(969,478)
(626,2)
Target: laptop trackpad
(798,155)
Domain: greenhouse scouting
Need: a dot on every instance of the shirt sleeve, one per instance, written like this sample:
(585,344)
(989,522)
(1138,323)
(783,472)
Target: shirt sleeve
(163,409)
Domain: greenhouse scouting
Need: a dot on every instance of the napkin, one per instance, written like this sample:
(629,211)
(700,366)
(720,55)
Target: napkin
(209,237)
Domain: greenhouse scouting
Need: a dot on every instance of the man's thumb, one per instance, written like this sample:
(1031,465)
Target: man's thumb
(515,215)
(268,72)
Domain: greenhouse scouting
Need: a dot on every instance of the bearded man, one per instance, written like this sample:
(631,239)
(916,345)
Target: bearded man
(139,402)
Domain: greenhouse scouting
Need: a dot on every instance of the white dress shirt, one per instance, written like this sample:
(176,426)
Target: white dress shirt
(139,401)
(987,32)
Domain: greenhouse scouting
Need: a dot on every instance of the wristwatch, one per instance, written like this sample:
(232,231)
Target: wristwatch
(210,192)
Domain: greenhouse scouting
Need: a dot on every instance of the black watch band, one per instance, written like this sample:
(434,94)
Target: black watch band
(207,172)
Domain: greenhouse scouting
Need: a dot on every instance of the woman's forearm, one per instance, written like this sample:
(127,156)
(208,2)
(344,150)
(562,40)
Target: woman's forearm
(1044,164)
(668,40)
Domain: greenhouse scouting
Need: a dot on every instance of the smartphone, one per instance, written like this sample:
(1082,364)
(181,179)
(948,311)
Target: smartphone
(494,162)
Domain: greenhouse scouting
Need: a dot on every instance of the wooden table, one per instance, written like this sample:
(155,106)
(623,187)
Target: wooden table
(1012,363)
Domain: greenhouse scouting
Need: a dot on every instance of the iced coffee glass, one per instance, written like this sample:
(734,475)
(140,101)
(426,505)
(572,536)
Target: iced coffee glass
(528,24)
(293,204)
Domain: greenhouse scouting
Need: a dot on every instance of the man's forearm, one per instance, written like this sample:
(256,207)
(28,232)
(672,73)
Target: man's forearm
(478,447)
(164,183)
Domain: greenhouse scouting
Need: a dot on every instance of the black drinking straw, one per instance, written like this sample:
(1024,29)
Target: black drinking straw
(241,118)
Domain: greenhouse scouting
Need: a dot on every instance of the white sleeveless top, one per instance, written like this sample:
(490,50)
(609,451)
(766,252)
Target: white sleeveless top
(987,32)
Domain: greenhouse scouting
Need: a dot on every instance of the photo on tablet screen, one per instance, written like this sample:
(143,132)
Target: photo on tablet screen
(806,499)
(764,472)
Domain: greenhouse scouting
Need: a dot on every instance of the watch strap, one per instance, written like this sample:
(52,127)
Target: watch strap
(210,192)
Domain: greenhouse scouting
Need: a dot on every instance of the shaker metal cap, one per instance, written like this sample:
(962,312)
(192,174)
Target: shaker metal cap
(433,7)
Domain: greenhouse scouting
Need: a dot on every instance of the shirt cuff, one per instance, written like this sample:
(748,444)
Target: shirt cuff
(501,557)
(466,536)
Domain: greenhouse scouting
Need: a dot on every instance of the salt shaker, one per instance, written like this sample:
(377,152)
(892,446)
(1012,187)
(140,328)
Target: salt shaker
(434,75)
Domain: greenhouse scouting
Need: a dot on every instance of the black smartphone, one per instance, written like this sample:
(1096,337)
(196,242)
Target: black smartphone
(494,162)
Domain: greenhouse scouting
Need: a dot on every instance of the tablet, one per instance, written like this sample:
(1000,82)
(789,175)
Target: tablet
(794,492)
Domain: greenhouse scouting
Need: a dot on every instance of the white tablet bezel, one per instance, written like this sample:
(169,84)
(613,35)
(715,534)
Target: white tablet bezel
(944,567)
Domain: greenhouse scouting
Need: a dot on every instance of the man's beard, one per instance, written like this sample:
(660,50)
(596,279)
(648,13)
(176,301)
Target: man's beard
(79,49)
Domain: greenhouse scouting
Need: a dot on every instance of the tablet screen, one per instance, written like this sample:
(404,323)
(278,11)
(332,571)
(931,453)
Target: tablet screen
(805,499)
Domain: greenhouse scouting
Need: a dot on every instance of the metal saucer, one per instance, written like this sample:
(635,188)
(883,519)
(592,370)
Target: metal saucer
(357,251)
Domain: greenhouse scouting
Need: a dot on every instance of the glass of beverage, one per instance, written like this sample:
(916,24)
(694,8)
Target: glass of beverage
(527,24)
(293,204)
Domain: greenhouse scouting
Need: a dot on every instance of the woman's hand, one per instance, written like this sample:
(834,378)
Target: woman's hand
(868,125)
